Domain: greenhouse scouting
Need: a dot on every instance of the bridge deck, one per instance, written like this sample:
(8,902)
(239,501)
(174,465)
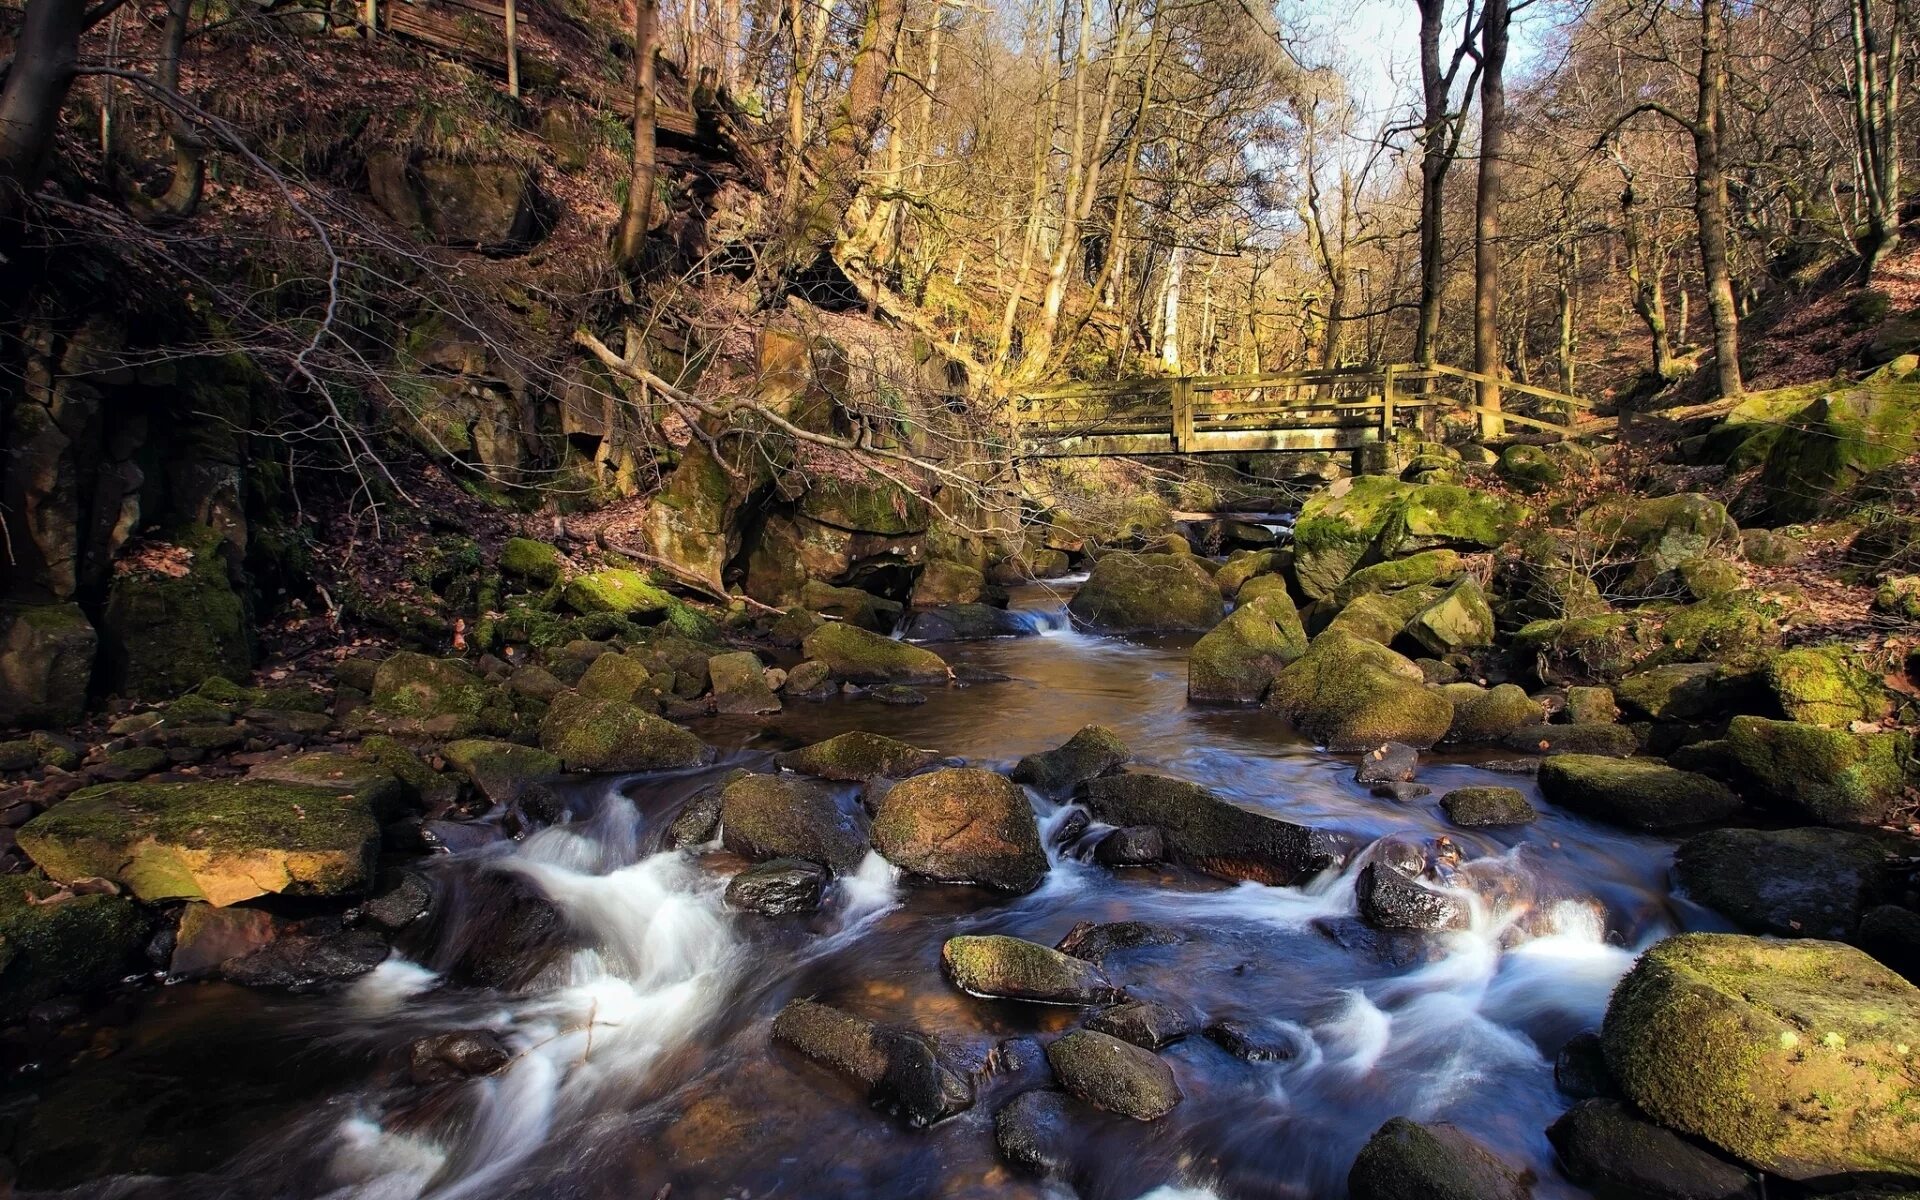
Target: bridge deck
(1283,411)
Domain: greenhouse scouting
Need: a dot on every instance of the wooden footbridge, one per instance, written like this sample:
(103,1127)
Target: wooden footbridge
(1340,409)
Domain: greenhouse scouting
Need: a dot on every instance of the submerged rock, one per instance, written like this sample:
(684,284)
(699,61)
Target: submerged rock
(305,964)
(1034,1130)
(778,887)
(1147,593)
(1015,969)
(1211,834)
(1115,1075)
(1093,752)
(961,825)
(1408,1161)
(859,656)
(1605,1147)
(1349,693)
(462,1054)
(901,1068)
(1787,882)
(1389,762)
(1795,1057)
(856,757)
(774,816)
(1094,942)
(1639,793)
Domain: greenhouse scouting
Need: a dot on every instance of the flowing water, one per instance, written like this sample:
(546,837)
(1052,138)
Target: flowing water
(643,1065)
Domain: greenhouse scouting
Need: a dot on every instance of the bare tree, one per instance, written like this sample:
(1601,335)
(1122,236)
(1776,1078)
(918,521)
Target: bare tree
(636,214)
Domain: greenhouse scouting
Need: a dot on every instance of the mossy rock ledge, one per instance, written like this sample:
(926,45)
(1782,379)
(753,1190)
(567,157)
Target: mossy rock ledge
(1639,793)
(859,656)
(218,841)
(589,734)
(1796,1057)
(71,945)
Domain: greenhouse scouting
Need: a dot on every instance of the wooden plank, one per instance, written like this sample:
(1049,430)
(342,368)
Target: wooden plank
(1525,389)
(1563,430)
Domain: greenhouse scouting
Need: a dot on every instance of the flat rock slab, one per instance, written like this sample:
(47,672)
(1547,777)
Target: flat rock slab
(1639,793)
(1212,834)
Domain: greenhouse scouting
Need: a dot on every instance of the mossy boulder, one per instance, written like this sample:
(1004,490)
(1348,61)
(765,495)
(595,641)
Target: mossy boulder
(417,685)
(857,756)
(1459,620)
(614,590)
(1602,738)
(861,656)
(1650,537)
(623,677)
(1243,565)
(1592,705)
(1796,1057)
(1415,570)
(219,841)
(1772,548)
(1737,630)
(961,825)
(1147,593)
(870,505)
(1899,596)
(1013,968)
(1529,469)
(46,663)
(337,771)
(1348,693)
(164,630)
(589,734)
(1212,834)
(1093,752)
(1114,1075)
(1404,1160)
(1711,577)
(70,944)
(1601,647)
(1827,685)
(854,606)
(1380,616)
(779,816)
(1482,715)
(692,521)
(538,563)
(740,685)
(1237,659)
(500,769)
(1340,527)
(944,582)
(1828,775)
(1686,692)
(901,1068)
(1830,445)
(1786,882)
(1639,793)
(1475,807)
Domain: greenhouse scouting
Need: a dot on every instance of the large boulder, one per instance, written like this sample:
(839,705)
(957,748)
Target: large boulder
(1639,793)
(416,685)
(857,756)
(1491,714)
(778,816)
(1243,565)
(46,661)
(1349,693)
(1115,1075)
(173,618)
(901,1068)
(1424,569)
(1459,620)
(617,590)
(740,685)
(1786,882)
(1604,1146)
(1147,593)
(873,504)
(1212,834)
(53,942)
(944,582)
(964,623)
(1828,775)
(860,656)
(1013,968)
(1795,1057)
(1831,444)
(691,521)
(1687,692)
(489,206)
(1379,517)
(1089,754)
(1646,540)
(961,825)
(1404,1160)
(1236,660)
(219,841)
(1390,898)
(589,734)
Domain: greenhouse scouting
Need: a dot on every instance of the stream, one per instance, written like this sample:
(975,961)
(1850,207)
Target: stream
(643,1064)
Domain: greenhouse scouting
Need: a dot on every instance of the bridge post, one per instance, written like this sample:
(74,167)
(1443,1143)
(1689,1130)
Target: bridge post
(1386,403)
(1182,414)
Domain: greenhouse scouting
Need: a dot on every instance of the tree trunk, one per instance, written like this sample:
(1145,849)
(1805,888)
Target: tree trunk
(45,53)
(636,215)
(1486,210)
(1036,213)
(1710,198)
(1875,84)
(1646,289)
(1170,313)
(182,197)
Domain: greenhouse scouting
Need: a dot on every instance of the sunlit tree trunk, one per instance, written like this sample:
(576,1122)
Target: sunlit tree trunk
(1710,197)
(1875,84)
(1170,312)
(1486,209)
(636,215)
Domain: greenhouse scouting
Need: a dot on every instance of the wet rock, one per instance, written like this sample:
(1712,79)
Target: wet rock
(1408,1161)
(1115,1075)
(698,819)
(856,757)
(1389,762)
(1390,899)
(407,901)
(1612,741)
(1638,793)
(775,816)
(1093,942)
(499,769)
(900,1067)
(535,682)
(1236,660)
(505,933)
(1349,693)
(1580,1069)
(1400,793)
(964,623)
(961,825)
(46,661)
(1785,882)
(608,735)
(209,936)
(1147,593)
(1093,752)
(859,656)
(1015,969)
(219,841)
(1209,833)
(535,808)
(1490,714)
(740,685)
(53,941)
(1034,1130)
(1476,807)
(1795,1057)
(462,1054)
(855,606)
(1828,775)
(1511,766)
(304,964)
(897,694)
(621,677)
(1142,1022)
(779,887)
(1133,846)
(1605,1147)
(1249,1042)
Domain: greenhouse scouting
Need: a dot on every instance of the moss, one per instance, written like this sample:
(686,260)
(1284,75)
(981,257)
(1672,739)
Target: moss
(1597,647)
(1379,617)
(420,780)
(1408,1161)
(536,562)
(872,505)
(1794,1056)
(1237,658)
(1459,620)
(1245,565)
(1089,754)
(780,816)
(195,710)
(499,768)
(1830,775)
(857,756)
(606,735)
(1017,969)
(1426,567)
(1450,514)
(1899,597)
(338,771)
(1739,630)
(1141,593)
(136,761)
(1832,443)
(71,945)
(416,685)
(1687,692)
(626,593)
(162,634)
(1648,539)
(860,656)
(621,677)
(218,689)
(1592,706)
(1529,469)
(1826,685)
(1479,806)
(219,841)
(1711,578)
(1639,793)
(1349,693)
(1490,714)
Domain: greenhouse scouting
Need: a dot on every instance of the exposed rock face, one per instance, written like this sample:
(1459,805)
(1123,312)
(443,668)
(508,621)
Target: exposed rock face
(1638,793)
(1459,620)
(1651,538)
(1339,528)
(71,945)
(1408,1161)
(1089,754)
(1795,1057)
(859,656)
(1828,446)
(1115,1075)
(1349,693)
(217,841)
(1687,692)
(1016,969)
(1829,775)
(1603,1146)
(944,582)
(961,825)
(1211,834)
(901,1068)
(857,756)
(46,661)
(607,735)
(1147,593)
(1236,661)
(488,206)
(1826,685)
(775,816)
(692,519)
(1787,882)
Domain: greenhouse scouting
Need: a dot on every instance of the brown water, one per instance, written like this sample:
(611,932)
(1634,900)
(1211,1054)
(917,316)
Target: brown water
(644,1066)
